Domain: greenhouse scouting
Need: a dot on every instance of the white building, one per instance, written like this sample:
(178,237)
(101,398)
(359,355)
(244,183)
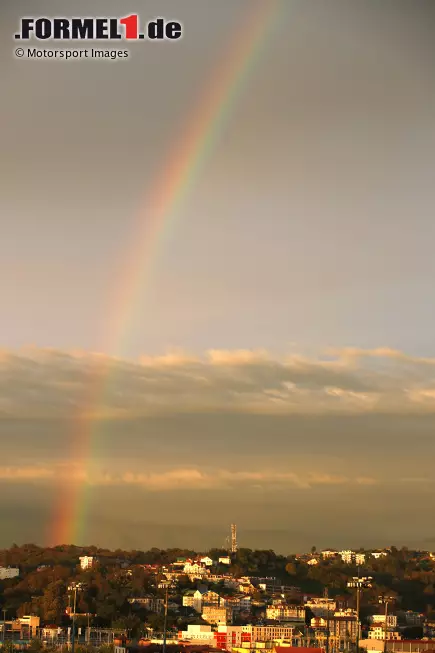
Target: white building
(378,632)
(329,553)
(283,612)
(347,556)
(193,599)
(379,554)
(87,562)
(9,572)
(225,560)
(208,562)
(194,569)
(380,619)
(198,634)
(350,557)
(312,561)
(320,607)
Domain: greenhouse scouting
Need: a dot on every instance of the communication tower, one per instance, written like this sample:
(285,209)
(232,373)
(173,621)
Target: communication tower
(233,538)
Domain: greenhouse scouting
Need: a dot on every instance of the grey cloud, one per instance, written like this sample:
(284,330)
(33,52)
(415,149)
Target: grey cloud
(50,383)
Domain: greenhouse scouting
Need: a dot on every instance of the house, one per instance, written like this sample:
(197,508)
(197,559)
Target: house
(378,554)
(193,599)
(211,598)
(189,598)
(194,569)
(87,562)
(245,588)
(328,553)
(208,562)
(9,572)
(312,561)
(238,603)
(225,560)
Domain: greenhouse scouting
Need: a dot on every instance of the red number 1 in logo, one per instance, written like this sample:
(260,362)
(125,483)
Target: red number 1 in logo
(131,26)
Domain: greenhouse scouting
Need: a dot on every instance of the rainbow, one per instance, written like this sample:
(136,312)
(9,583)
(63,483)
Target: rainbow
(172,187)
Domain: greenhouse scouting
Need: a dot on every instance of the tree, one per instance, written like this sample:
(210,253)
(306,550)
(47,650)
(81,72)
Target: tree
(291,569)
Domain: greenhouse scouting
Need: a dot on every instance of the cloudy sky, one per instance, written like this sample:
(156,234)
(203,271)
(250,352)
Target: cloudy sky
(271,359)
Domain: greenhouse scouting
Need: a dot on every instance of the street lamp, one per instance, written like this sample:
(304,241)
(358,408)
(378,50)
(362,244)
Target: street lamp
(74,587)
(385,600)
(359,583)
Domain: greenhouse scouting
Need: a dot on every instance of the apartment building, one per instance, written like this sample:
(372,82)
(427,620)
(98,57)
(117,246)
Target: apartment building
(412,618)
(198,635)
(377,619)
(214,614)
(378,632)
(271,633)
(350,557)
(284,612)
(321,606)
(229,637)
(347,556)
(343,624)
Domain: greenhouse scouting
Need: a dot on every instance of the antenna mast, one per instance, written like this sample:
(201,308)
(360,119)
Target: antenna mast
(233,538)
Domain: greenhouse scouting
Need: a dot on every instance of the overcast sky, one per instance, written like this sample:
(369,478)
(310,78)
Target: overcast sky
(308,230)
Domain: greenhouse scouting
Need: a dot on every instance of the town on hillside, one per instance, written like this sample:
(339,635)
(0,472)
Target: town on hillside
(238,600)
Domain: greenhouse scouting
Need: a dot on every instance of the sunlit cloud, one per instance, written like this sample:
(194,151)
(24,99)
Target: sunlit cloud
(51,383)
(179,478)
